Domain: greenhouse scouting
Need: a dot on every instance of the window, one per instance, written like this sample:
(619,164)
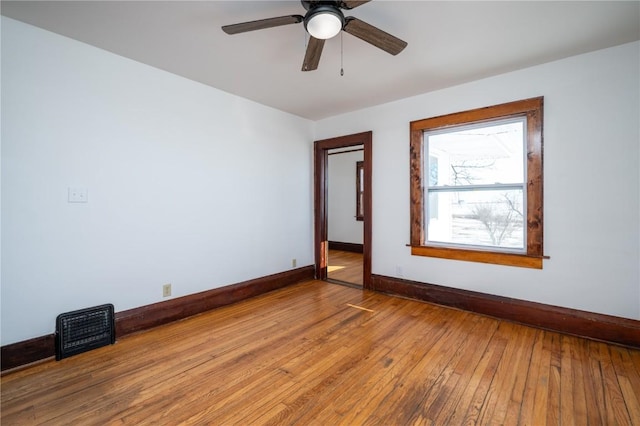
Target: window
(476,185)
(360,190)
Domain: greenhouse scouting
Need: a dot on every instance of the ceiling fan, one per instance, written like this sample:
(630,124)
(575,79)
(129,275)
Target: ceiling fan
(324,20)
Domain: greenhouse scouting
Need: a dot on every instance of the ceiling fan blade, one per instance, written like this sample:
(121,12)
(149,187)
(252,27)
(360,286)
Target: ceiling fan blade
(351,4)
(261,24)
(373,35)
(312,56)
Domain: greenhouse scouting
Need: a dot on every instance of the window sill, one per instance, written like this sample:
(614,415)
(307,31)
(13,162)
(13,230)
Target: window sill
(497,258)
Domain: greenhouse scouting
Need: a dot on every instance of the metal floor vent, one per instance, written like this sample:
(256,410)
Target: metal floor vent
(85,329)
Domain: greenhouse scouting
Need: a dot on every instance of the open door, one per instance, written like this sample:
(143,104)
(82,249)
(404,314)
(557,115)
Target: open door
(321,156)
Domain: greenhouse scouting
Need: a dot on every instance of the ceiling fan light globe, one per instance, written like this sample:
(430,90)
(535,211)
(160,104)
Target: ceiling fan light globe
(324,25)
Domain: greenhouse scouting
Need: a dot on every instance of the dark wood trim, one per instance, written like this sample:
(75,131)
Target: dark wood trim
(352,247)
(28,351)
(345,151)
(320,231)
(611,329)
(507,259)
(320,188)
(368,209)
(149,316)
(416,193)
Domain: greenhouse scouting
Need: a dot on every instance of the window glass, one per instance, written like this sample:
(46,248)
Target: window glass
(475,191)
(360,190)
(491,218)
(489,154)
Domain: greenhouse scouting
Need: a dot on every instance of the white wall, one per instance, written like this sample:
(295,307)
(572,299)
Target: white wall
(343,226)
(591,176)
(187,184)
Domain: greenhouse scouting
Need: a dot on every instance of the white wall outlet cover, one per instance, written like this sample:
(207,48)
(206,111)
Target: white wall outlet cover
(166,290)
(78,195)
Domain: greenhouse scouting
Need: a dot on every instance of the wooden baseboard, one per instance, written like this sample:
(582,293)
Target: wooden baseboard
(352,247)
(149,316)
(607,328)
(27,351)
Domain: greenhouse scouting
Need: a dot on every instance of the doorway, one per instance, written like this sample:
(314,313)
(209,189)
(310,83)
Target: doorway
(322,149)
(345,188)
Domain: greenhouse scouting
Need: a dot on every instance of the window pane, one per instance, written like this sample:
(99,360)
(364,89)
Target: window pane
(478,155)
(491,218)
(360,190)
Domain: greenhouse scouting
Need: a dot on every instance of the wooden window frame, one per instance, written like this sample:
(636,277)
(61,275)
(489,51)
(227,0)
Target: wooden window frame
(532,109)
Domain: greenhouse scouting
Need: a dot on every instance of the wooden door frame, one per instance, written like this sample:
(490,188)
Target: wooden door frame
(320,190)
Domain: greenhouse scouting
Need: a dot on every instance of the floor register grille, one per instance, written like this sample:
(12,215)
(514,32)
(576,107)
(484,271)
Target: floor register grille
(83,330)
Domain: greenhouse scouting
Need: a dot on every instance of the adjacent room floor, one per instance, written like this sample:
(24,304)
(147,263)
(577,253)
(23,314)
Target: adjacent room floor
(345,266)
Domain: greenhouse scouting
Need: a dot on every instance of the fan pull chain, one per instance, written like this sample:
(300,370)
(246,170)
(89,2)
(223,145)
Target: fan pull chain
(341,56)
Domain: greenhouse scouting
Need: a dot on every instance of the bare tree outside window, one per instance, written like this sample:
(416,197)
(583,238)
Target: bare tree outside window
(500,220)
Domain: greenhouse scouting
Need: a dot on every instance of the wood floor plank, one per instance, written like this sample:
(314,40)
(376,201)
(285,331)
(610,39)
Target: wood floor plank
(378,346)
(540,401)
(440,384)
(389,361)
(491,354)
(593,384)
(632,402)
(571,396)
(407,396)
(617,412)
(511,388)
(629,380)
(554,392)
(318,353)
(410,398)
(533,372)
(309,383)
(381,388)
(479,338)
(484,381)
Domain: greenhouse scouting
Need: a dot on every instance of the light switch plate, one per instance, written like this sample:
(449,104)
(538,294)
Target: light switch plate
(78,195)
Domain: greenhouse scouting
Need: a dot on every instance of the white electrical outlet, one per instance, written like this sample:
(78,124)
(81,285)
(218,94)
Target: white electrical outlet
(294,262)
(399,271)
(166,290)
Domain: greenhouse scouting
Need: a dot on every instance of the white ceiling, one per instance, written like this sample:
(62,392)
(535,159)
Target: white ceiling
(450,42)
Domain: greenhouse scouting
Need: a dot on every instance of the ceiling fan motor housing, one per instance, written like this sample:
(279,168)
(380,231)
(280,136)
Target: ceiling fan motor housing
(310,4)
(323,20)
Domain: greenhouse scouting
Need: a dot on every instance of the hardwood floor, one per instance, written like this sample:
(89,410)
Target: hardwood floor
(345,266)
(322,354)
